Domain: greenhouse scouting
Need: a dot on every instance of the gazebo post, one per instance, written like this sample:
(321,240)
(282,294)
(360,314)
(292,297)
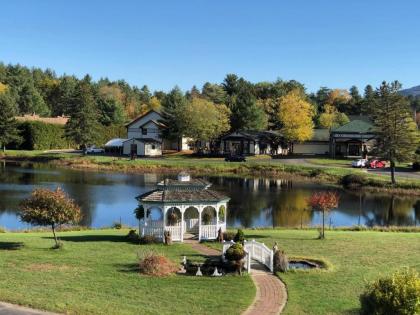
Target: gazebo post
(217,219)
(164,223)
(200,209)
(182,223)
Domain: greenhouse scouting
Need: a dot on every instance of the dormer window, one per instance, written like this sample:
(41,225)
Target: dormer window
(144,131)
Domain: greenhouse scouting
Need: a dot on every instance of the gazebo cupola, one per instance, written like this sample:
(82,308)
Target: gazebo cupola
(185,207)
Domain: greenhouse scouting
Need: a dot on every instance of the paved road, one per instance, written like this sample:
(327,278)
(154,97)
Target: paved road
(10,309)
(402,173)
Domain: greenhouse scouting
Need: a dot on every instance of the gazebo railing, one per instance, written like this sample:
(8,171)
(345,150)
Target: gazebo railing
(175,231)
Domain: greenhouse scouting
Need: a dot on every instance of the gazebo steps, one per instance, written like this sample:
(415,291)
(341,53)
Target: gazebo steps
(189,236)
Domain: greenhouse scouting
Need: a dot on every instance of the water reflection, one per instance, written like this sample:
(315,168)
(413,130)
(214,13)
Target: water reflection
(106,198)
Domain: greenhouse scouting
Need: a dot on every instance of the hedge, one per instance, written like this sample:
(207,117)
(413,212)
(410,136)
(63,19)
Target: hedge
(38,135)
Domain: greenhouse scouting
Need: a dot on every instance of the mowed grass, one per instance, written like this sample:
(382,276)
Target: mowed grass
(96,273)
(356,257)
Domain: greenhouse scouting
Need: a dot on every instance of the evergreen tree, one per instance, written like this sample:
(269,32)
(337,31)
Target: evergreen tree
(214,93)
(355,103)
(82,126)
(31,102)
(368,103)
(173,105)
(8,124)
(398,137)
(246,114)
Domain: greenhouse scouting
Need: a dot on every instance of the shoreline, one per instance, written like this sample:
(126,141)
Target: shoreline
(255,168)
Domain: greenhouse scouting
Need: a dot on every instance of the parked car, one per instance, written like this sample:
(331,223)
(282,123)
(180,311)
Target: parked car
(94,150)
(375,163)
(359,163)
(235,158)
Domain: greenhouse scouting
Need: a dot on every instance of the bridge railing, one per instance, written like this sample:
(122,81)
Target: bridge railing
(255,250)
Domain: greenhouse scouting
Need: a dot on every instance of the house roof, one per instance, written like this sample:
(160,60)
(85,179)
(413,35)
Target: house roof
(142,116)
(355,126)
(157,123)
(253,134)
(145,140)
(182,196)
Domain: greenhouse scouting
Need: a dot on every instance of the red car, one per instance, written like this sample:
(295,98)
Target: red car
(376,164)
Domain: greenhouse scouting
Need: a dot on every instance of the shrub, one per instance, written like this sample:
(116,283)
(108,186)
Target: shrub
(117,225)
(148,239)
(315,172)
(396,295)
(236,254)
(133,236)
(281,262)
(416,166)
(239,237)
(154,264)
(353,181)
(229,236)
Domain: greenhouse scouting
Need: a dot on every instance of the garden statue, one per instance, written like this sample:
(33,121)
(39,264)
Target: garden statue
(275,247)
(199,273)
(216,273)
(168,238)
(220,235)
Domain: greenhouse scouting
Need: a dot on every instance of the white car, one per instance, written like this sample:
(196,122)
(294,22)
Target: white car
(359,163)
(94,150)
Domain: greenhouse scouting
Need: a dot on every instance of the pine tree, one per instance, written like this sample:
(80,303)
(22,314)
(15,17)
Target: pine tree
(82,126)
(173,106)
(368,103)
(246,114)
(8,123)
(398,137)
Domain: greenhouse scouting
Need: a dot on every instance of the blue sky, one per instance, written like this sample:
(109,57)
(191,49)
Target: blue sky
(330,43)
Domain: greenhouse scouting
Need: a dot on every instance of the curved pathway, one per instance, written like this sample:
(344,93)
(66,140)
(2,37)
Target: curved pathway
(11,309)
(271,296)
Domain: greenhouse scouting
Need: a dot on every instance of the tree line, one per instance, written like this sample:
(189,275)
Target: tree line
(203,114)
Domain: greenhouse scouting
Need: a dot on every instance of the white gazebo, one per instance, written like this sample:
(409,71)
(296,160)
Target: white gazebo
(185,207)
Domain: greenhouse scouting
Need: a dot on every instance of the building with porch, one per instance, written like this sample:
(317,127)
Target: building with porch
(354,139)
(251,142)
(185,207)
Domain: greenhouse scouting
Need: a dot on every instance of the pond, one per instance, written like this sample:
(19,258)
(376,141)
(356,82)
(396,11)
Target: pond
(106,198)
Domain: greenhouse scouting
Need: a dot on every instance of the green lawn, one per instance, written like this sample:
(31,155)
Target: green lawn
(96,273)
(355,257)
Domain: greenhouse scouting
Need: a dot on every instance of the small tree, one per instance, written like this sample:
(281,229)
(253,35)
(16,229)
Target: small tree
(324,201)
(50,208)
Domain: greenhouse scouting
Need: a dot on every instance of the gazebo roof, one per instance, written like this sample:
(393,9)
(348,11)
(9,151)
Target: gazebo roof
(192,184)
(182,196)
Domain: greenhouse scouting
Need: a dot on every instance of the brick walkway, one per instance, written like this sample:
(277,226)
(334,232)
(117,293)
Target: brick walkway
(271,296)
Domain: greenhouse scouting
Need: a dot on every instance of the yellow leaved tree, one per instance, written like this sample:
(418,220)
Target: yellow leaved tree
(296,114)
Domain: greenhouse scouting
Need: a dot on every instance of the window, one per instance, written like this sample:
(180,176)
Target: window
(153,147)
(144,131)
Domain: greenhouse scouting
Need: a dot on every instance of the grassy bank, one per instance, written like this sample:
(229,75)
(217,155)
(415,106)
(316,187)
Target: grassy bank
(255,166)
(354,257)
(96,273)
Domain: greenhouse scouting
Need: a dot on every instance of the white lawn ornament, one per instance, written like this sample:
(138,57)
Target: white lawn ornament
(184,260)
(216,273)
(199,273)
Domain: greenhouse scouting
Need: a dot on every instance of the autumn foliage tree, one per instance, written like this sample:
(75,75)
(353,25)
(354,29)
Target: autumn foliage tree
(324,202)
(50,208)
(295,115)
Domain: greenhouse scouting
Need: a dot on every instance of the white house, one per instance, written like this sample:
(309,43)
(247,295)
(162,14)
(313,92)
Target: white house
(144,136)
